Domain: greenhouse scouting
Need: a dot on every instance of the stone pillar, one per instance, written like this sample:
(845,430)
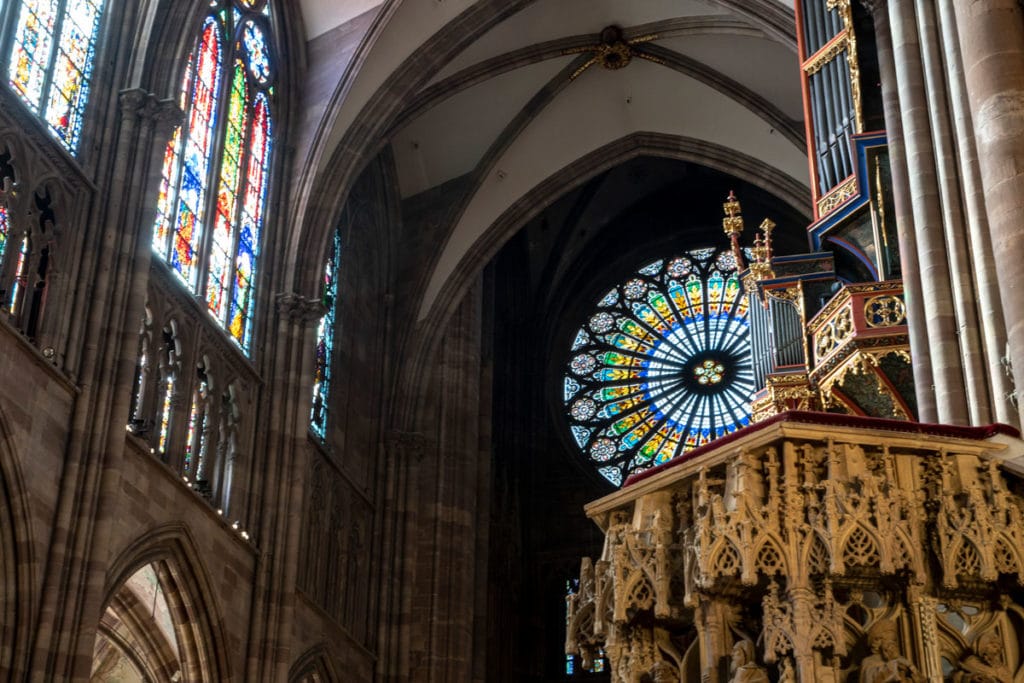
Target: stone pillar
(952,217)
(919,348)
(926,633)
(926,220)
(448,568)
(992,44)
(75,572)
(992,328)
(276,508)
(404,452)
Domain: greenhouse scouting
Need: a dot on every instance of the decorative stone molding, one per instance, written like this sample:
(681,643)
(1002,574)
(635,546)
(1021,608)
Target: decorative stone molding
(299,309)
(866,548)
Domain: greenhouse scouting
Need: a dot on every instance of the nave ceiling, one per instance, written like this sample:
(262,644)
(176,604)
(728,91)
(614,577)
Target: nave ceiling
(492,93)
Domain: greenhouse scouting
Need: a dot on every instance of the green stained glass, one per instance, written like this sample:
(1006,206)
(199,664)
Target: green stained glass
(665,367)
(228,93)
(221,256)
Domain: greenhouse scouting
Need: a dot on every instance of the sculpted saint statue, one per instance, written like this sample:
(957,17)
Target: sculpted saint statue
(744,668)
(885,664)
(987,664)
(663,672)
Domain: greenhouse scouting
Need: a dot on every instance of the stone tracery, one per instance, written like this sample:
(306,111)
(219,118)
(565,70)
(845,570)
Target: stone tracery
(810,523)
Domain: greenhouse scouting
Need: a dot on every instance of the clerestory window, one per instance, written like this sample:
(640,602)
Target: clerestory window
(50,57)
(325,341)
(210,209)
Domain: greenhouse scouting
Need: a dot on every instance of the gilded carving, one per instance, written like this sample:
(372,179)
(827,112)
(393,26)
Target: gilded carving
(885,311)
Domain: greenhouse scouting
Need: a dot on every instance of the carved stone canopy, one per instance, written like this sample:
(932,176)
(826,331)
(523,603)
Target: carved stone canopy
(814,547)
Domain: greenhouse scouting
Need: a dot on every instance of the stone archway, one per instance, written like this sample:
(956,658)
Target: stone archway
(159,622)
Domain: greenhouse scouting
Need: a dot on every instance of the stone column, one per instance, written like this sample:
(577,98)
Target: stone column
(448,570)
(926,223)
(75,572)
(276,509)
(925,632)
(992,44)
(952,216)
(919,348)
(983,269)
(404,452)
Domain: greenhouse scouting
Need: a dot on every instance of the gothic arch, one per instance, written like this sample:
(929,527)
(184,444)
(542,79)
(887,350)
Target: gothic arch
(17,590)
(167,32)
(339,147)
(867,552)
(724,559)
(431,326)
(765,563)
(638,594)
(314,666)
(190,596)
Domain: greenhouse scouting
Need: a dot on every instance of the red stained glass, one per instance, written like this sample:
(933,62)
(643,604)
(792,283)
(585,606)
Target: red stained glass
(217,256)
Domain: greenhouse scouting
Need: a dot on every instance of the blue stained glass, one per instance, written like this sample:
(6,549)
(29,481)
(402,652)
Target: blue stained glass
(229,150)
(325,341)
(652,269)
(674,368)
(257,53)
(4,231)
(51,61)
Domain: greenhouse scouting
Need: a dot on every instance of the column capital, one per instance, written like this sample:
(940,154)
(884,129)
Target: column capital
(162,114)
(299,309)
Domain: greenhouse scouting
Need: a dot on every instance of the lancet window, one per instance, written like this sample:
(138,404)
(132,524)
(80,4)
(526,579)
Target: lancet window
(26,240)
(325,341)
(187,401)
(212,195)
(50,56)
(663,365)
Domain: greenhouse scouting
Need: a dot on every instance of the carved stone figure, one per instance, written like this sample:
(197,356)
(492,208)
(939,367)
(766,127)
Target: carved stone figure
(786,674)
(744,668)
(885,664)
(663,672)
(987,664)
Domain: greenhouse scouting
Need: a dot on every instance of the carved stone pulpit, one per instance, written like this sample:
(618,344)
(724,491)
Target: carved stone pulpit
(815,548)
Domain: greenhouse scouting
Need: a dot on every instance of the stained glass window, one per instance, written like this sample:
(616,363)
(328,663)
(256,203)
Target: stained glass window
(662,365)
(20,283)
(325,341)
(51,60)
(216,166)
(196,428)
(166,414)
(4,232)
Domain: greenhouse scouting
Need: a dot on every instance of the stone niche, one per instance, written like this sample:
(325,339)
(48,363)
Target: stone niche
(813,548)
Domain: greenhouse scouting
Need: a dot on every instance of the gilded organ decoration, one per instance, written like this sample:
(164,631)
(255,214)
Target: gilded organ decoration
(829,549)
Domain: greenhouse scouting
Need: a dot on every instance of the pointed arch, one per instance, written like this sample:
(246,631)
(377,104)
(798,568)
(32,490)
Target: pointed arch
(724,559)
(314,666)
(860,547)
(17,588)
(191,604)
(212,196)
(770,557)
